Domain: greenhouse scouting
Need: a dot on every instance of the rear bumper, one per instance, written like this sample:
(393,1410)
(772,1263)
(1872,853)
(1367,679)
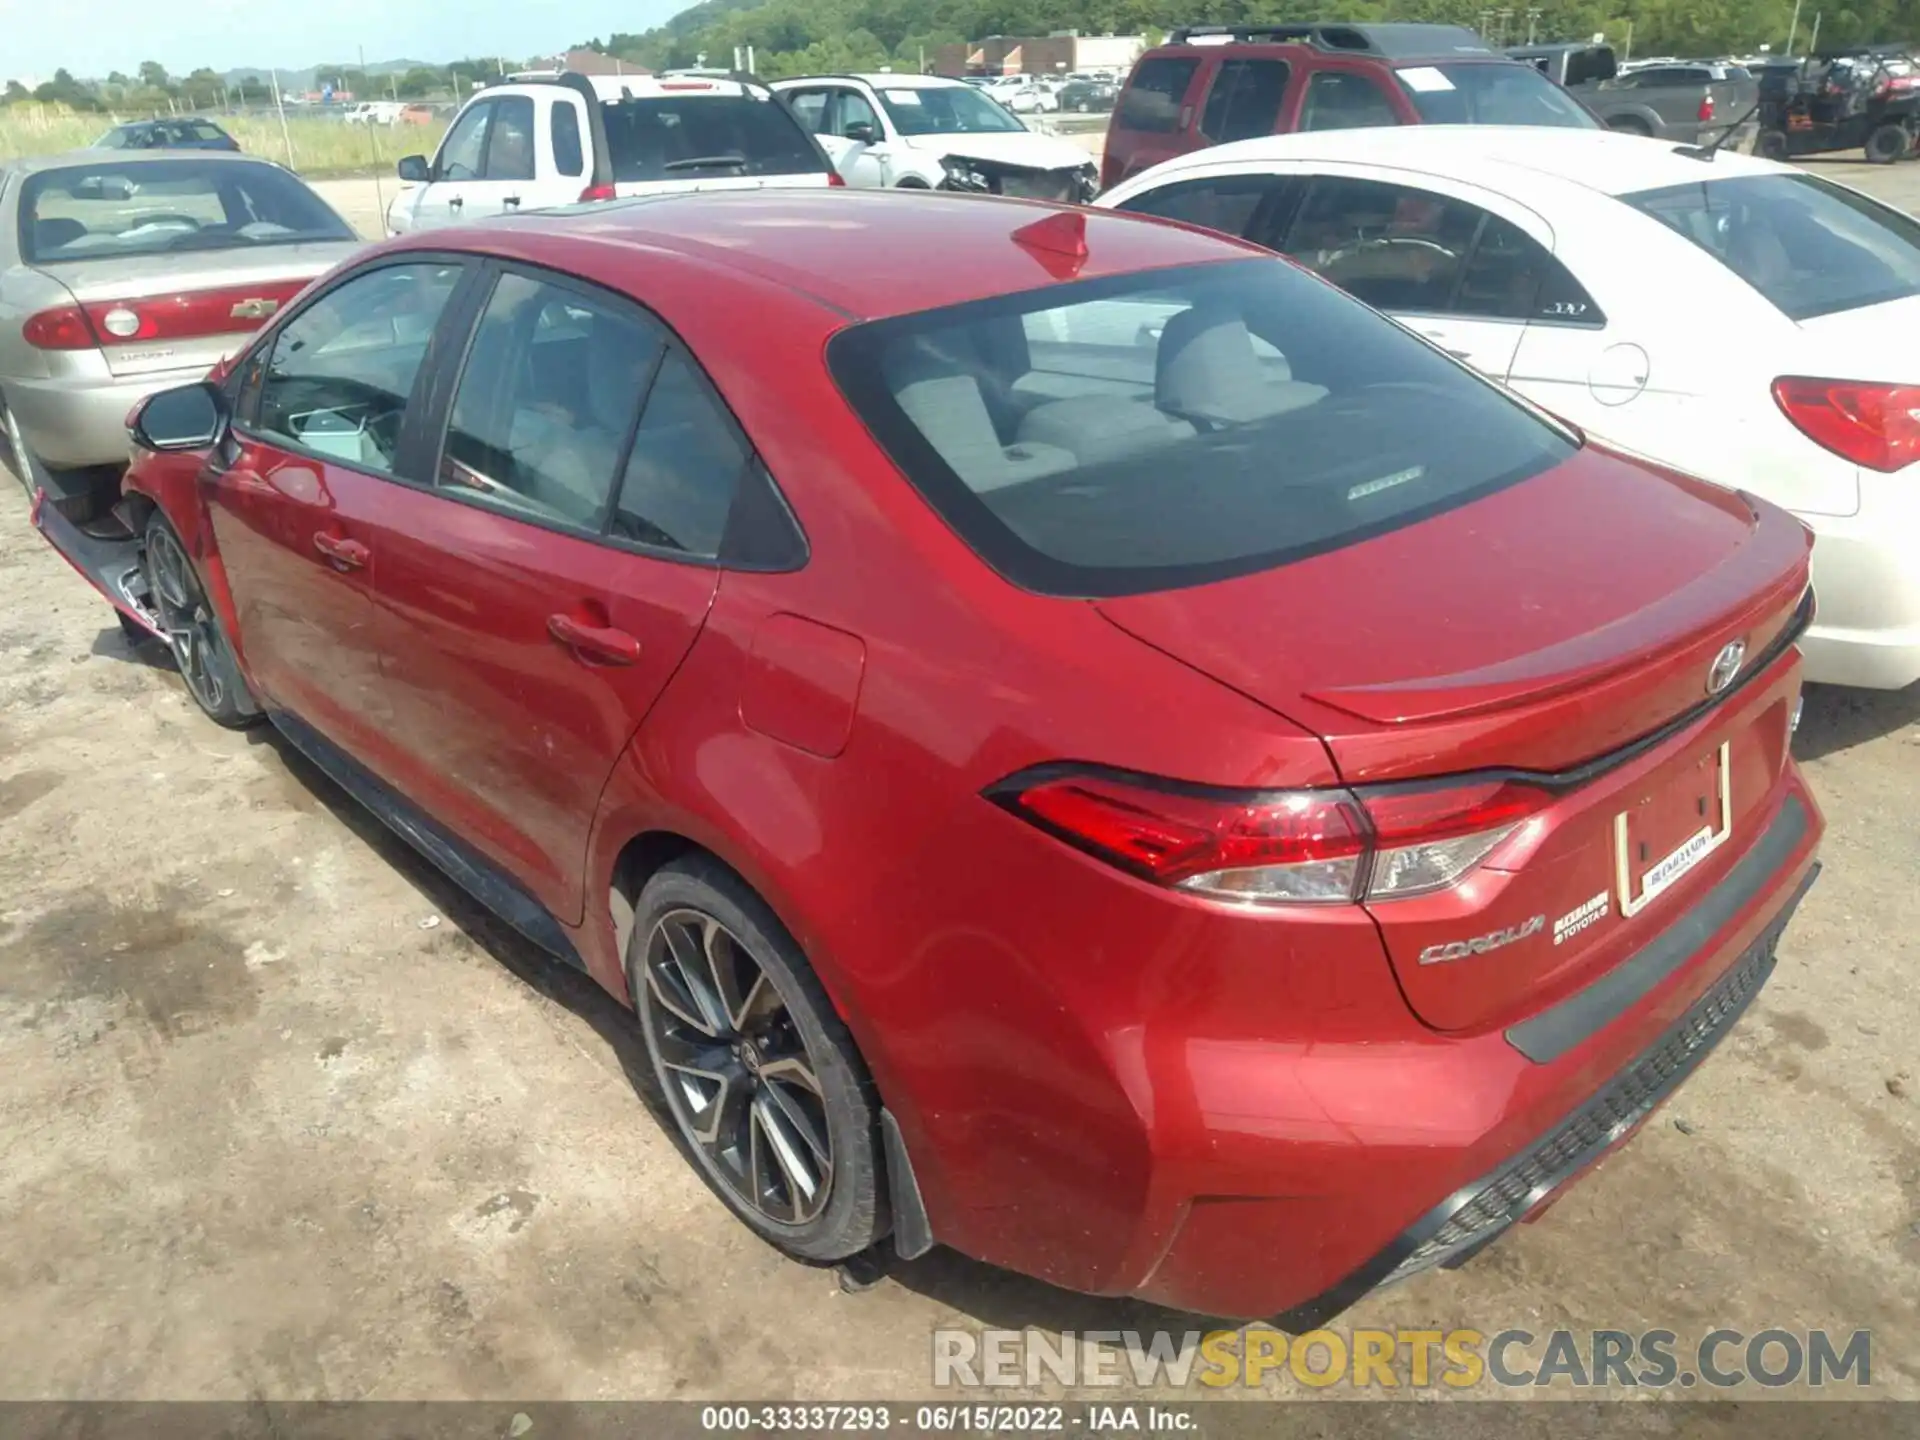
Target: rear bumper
(1478,1213)
(1444,1144)
(81,419)
(1866,578)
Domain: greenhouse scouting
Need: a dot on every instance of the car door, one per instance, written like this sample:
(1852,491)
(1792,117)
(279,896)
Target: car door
(538,597)
(456,170)
(1244,100)
(869,159)
(1446,267)
(509,165)
(327,409)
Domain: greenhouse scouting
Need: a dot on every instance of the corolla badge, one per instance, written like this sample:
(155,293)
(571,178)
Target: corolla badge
(1725,666)
(1481,944)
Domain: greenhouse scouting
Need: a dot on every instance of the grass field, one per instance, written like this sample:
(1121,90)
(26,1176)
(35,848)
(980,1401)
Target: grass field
(322,149)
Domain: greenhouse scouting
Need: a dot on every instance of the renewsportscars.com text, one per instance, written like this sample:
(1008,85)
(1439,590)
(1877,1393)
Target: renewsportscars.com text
(1458,1359)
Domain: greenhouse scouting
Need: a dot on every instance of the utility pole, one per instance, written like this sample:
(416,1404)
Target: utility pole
(1813,40)
(1533,20)
(281,106)
(1628,55)
(1793,26)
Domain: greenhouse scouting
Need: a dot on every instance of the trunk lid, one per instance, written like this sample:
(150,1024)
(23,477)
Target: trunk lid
(681,185)
(193,307)
(1544,629)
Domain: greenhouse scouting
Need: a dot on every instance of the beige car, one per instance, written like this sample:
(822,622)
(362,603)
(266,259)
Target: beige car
(123,273)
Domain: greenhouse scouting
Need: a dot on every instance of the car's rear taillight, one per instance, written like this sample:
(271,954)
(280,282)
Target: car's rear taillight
(597,192)
(1706,109)
(835,179)
(65,327)
(1877,426)
(1289,847)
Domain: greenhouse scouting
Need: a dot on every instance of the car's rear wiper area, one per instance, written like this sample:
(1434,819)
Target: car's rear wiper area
(708,162)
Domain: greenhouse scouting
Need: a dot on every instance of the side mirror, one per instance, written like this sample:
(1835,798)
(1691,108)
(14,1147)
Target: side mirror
(860,132)
(413,169)
(189,417)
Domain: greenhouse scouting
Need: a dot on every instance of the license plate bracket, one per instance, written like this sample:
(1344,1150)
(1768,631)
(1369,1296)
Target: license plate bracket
(1640,882)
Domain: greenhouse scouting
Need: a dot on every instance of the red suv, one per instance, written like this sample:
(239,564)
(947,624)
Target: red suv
(1104,752)
(1212,84)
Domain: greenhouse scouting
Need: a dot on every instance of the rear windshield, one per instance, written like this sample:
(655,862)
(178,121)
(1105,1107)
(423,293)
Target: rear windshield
(1808,245)
(1491,93)
(149,207)
(683,137)
(1179,426)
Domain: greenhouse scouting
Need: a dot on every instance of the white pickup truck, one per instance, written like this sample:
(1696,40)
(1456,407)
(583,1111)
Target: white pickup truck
(528,143)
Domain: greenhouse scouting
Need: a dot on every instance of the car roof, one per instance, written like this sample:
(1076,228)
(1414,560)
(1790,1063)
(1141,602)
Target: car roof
(879,82)
(32,164)
(1600,160)
(863,253)
(1396,42)
(623,87)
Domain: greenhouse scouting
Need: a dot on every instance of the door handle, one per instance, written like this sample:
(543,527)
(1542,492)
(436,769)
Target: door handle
(512,202)
(456,202)
(599,642)
(342,553)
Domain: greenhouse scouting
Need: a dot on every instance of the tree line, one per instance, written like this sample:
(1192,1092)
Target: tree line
(152,89)
(791,37)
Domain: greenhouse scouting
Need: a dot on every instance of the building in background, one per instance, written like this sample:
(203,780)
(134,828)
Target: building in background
(1065,53)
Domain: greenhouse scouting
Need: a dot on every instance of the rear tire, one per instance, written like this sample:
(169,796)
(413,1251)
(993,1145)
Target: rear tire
(768,1091)
(1631,125)
(911,182)
(1887,144)
(194,633)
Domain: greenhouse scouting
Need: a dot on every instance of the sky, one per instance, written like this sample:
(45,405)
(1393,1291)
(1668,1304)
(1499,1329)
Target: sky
(92,37)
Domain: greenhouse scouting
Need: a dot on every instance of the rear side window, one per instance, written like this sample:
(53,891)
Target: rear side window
(1175,427)
(549,394)
(1244,100)
(568,157)
(686,137)
(201,130)
(686,464)
(1153,98)
(1810,247)
(1345,100)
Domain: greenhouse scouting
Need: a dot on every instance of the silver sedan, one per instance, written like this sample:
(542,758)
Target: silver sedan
(123,273)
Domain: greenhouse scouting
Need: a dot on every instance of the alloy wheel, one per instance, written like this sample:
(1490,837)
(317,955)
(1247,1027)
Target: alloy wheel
(187,618)
(736,1068)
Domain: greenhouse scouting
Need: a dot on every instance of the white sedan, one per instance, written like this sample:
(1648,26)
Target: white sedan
(1737,319)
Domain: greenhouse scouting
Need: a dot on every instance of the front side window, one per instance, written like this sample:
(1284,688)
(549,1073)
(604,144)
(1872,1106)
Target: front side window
(547,402)
(1393,247)
(510,139)
(1809,246)
(341,373)
(1153,98)
(111,209)
(1244,101)
(464,150)
(1345,100)
(1174,427)
(1490,93)
(855,110)
(1228,204)
(946,110)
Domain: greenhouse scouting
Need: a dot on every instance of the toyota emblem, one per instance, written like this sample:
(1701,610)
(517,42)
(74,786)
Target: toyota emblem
(1725,666)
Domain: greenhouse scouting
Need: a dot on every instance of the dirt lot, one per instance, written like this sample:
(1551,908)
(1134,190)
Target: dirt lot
(284,1116)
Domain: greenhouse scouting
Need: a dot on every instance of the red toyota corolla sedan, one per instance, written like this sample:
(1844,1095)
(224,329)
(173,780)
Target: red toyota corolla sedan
(1079,741)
